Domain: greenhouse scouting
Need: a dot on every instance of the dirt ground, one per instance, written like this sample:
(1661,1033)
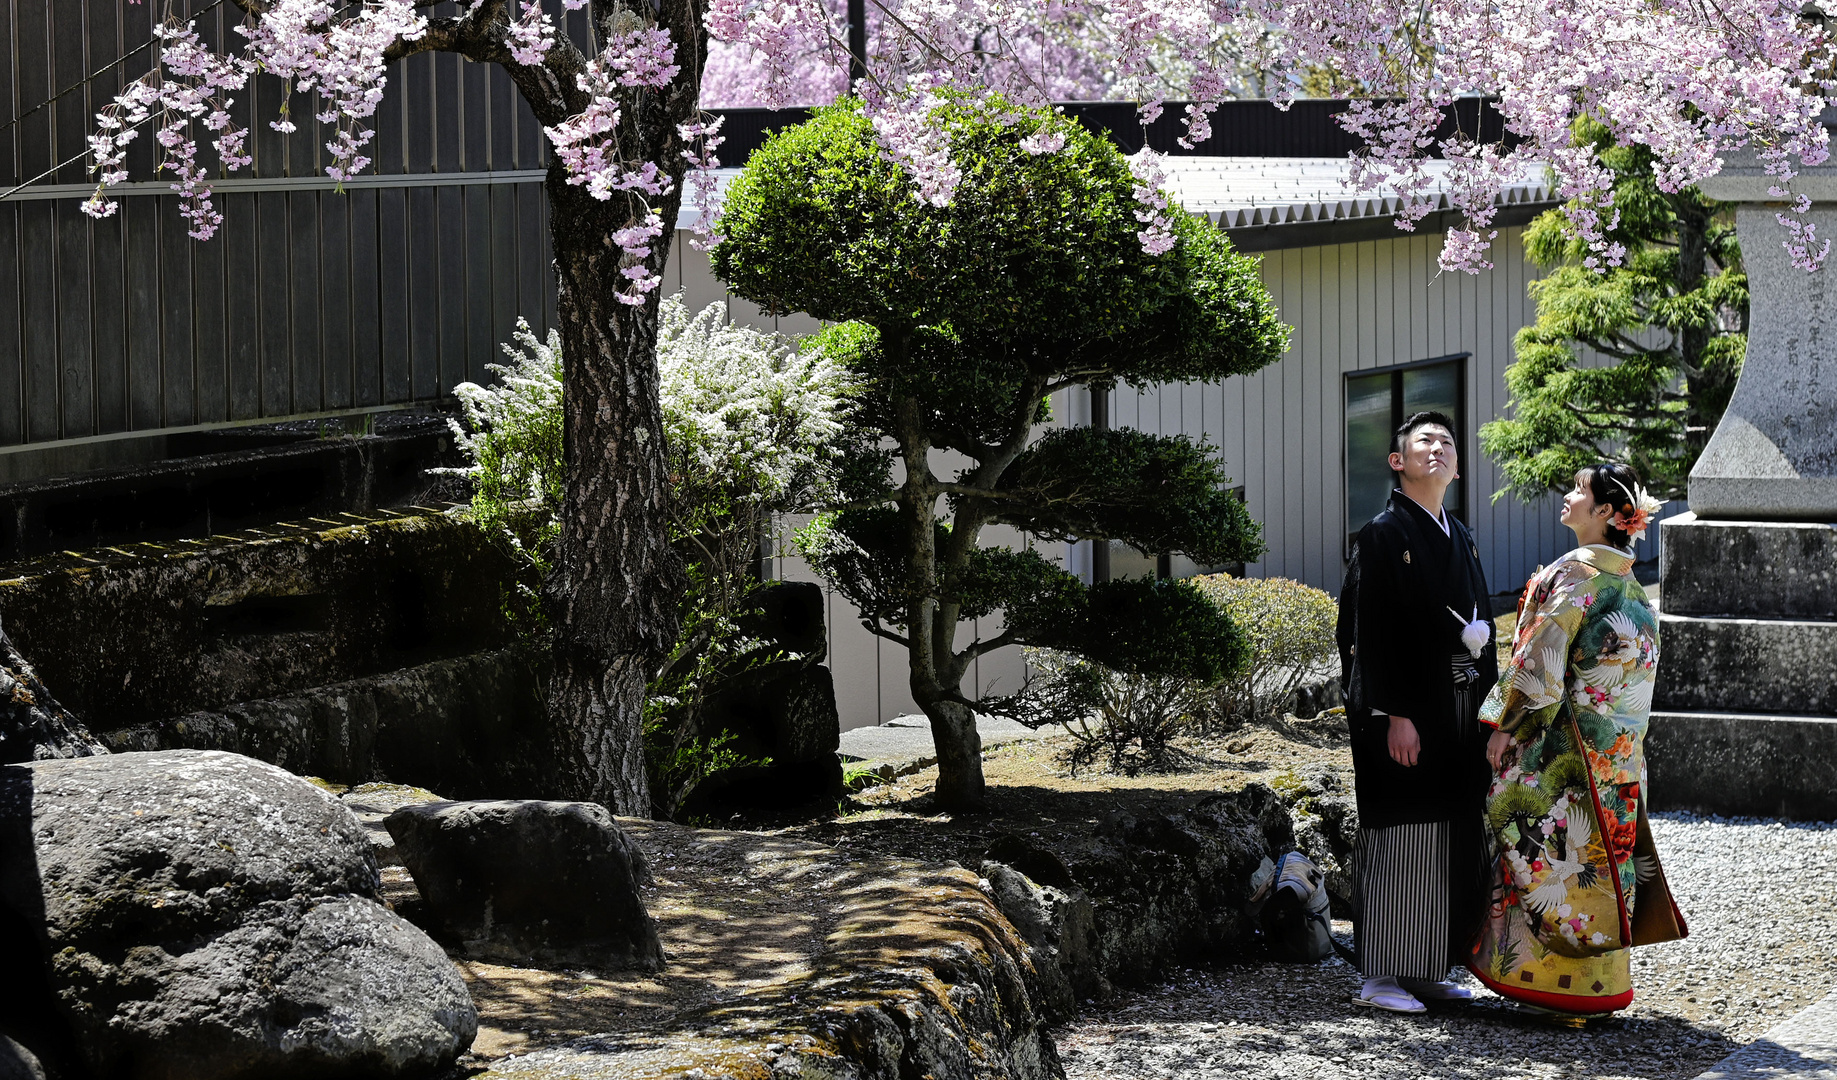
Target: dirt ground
(737,912)
(1031,793)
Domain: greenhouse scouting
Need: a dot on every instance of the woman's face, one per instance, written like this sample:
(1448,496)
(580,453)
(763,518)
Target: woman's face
(1579,506)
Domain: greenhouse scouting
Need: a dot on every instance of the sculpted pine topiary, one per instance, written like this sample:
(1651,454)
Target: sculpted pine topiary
(958,321)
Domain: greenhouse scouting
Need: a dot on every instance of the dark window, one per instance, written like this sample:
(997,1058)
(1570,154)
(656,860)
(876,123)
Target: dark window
(1376,402)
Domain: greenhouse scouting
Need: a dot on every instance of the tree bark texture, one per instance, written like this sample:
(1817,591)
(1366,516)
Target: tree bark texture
(931,625)
(612,598)
(33,726)
(613,594)
(937,667)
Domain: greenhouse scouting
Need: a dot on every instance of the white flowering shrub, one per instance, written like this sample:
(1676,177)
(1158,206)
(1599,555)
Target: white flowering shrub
(511,433)
(750,427)
(750,423)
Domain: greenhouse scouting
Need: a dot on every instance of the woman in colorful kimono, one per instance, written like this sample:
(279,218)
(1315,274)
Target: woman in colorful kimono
(1577,878)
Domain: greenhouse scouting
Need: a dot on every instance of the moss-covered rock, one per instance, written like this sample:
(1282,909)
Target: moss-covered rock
(467,727)
(914,973)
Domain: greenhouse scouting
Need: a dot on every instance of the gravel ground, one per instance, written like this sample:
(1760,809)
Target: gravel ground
(1761,900)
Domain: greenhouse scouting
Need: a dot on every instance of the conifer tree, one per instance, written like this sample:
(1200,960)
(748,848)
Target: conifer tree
(1671,324)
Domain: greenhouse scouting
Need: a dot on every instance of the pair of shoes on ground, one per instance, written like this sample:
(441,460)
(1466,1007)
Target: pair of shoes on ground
(1408,995)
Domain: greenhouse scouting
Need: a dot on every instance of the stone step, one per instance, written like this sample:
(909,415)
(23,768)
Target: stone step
(1745,665)
(1770,569)
(903,744)
(1747,764)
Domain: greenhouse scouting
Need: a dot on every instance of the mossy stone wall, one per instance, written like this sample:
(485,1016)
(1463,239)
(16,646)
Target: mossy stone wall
(134,634)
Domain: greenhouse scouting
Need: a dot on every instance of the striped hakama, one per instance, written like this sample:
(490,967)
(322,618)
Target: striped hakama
(1403,893)
(1405,883)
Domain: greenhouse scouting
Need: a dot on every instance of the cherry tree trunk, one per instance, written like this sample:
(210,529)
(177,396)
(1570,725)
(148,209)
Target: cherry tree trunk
(612,598)
(613,593)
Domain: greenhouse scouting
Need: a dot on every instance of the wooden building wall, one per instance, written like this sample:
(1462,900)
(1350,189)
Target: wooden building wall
(308,300)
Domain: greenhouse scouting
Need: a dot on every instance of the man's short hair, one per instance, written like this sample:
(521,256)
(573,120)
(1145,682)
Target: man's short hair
(1418,420)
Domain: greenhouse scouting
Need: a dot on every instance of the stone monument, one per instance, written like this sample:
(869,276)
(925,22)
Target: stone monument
(1745,719)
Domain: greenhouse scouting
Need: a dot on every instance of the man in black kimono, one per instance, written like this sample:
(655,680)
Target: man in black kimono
(1417,659)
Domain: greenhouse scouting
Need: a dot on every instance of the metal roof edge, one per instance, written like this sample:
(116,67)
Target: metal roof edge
(1264,236)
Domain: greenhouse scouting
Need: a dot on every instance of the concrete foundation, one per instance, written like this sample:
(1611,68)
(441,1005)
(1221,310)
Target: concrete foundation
(1748,764)
(1747,665)
(1753,569)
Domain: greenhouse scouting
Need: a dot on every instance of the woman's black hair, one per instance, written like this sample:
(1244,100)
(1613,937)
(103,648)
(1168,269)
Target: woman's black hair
(1612,485)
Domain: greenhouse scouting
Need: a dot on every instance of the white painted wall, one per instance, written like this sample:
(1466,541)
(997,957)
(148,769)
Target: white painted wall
(1281,431)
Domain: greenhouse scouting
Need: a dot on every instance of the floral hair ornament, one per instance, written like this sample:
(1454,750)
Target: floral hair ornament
(1633,522)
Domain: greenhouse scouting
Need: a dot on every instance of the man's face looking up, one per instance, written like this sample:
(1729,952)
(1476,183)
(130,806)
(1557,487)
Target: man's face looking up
(1429,456)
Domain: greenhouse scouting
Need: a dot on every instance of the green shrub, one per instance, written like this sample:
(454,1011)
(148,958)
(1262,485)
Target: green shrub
(1125,721)
(1288,627)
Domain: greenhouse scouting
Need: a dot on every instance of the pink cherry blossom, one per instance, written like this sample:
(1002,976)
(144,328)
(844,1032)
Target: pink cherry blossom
(1155,211)
(1688,81)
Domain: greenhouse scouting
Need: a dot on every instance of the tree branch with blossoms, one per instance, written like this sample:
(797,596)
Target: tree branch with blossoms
(1688,81)
(343,62)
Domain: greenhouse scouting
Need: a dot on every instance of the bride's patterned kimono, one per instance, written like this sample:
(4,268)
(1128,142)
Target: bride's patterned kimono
(1577,877)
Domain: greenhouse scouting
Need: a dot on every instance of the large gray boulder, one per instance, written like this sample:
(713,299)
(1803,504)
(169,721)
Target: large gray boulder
(203,915)
(1173,889)
(18,1063)
(1058,923)
(530,881)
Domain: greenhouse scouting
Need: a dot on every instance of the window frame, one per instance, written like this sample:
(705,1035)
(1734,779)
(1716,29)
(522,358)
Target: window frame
(1460,361)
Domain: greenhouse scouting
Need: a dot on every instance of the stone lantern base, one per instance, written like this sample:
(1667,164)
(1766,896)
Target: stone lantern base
(1745,716)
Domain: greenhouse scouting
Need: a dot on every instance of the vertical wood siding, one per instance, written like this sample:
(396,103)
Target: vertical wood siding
(308,300)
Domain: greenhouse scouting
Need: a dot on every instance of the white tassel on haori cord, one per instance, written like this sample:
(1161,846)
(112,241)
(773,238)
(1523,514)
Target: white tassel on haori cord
(1475,634)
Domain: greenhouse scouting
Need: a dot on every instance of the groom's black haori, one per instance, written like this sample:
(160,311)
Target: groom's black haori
(1401,654)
